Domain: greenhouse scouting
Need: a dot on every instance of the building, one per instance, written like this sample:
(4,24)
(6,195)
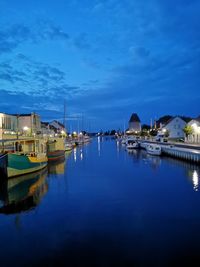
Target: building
(47,129)
(59,127)
(29,124)
(175,127)
(8,125)
(134,124)
(195,136)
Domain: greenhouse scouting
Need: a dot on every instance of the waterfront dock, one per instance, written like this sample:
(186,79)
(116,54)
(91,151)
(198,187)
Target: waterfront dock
(182,151)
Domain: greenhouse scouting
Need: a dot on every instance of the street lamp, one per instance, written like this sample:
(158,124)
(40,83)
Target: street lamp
(25,129)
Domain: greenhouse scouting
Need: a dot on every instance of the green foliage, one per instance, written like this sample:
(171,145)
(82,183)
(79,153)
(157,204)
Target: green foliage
(166,133)
(145,127)
(188,130)
(153,132)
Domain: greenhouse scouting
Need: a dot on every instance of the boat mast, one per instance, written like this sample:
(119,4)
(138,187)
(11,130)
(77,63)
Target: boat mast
(64,117)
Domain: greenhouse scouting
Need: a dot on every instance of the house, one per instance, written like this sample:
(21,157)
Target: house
(59,127)
(47,129)
(175,127)
(195,136)
(8,125)
(28,124)
(134,124)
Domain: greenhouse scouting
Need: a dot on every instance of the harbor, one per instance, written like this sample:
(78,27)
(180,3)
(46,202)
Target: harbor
(105,204)
(99,133)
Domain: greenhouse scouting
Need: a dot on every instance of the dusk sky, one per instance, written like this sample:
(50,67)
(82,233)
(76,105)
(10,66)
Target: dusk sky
(106,59)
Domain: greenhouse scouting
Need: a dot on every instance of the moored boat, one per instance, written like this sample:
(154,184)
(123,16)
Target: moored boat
(68,146)
(55,149)
(25,156)
(154,149)
(132,144)
(3,164)
(20,164)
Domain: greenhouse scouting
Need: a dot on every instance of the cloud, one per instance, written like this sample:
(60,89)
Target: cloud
(13,36)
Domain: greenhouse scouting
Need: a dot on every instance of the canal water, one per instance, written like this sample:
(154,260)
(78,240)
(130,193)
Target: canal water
(103,206)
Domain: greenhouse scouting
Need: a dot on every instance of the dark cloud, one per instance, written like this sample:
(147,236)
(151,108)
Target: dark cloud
(13,36)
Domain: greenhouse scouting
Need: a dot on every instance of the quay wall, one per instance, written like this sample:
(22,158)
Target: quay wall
(188,153)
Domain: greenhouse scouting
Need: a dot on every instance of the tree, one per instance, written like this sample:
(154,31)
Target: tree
(166,134)
(153,132)
(113,132)
(188,130)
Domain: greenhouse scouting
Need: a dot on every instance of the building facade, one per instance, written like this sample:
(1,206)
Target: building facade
(175,128)
(29,124)
(134,124)
(59,127)
(8,125)
(195,136)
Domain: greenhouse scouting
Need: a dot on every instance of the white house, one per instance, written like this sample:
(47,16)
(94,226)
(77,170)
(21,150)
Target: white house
(58,126)
(175,127)
(47,129)
(195,136)
(134,123)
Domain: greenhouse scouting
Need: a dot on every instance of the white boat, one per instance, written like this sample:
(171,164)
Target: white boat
(132,144)
(154,149)
(68,146)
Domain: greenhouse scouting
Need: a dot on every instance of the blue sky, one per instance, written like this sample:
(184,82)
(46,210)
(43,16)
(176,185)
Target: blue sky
(106,59)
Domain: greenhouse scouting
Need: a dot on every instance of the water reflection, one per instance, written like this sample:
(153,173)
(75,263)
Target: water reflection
(75,154)
(23,193)
(81,153)
(192,170)
(57,167)
(141,155)
(195,179)
(99,145)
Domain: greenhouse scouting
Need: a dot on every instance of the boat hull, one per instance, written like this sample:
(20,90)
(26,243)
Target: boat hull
(22,164)
(155,153)
(3,164)
(55,155)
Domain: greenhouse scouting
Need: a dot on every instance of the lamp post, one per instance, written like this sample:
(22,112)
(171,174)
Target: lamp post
(25,129)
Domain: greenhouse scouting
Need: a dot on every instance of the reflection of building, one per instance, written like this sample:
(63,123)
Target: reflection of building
(134,123)
(195,136)
(175,127)
(8,124)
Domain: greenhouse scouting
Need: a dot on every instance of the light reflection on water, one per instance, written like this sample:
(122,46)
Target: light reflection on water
(118,209)
(195,179)
(99,145)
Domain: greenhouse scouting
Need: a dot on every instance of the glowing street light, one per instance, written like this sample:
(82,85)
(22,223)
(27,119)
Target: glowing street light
(25,128)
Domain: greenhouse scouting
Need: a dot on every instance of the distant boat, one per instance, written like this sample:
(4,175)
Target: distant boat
(154,149)
(68,146)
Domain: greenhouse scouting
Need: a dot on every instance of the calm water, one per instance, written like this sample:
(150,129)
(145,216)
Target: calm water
(103,206)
